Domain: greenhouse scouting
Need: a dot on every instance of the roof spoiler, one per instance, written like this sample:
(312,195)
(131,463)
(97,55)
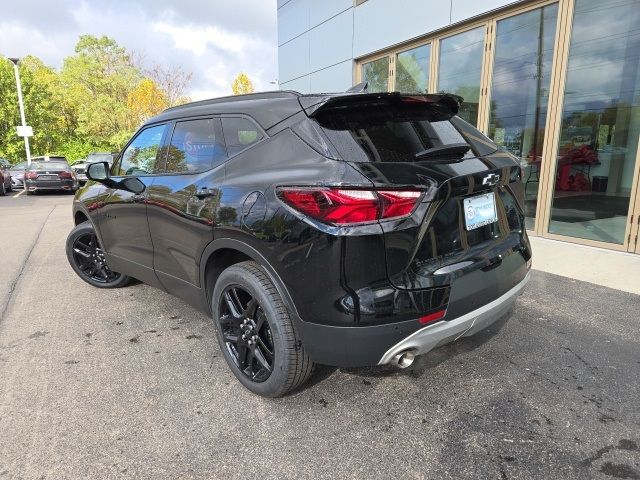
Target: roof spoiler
(448,104)
(359,88)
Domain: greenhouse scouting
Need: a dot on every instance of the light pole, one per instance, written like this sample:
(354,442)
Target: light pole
(15,62)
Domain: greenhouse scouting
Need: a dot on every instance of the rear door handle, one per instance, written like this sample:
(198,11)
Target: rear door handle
(205,192)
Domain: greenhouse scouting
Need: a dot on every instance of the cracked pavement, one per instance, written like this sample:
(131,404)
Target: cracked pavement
(130,383)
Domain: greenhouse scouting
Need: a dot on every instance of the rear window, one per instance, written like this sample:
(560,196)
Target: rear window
(50,166)
(391,133)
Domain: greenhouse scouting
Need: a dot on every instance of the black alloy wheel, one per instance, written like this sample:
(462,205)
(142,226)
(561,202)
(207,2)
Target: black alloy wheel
(246,333)
(257,336)
(87,258)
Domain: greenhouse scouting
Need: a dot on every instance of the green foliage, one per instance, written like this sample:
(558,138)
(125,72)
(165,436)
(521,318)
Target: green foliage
(94,103)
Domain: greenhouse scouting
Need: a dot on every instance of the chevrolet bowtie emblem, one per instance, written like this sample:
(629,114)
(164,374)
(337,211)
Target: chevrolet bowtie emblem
(491,180)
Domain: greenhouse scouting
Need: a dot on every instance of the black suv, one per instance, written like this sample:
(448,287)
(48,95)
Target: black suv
(342,229)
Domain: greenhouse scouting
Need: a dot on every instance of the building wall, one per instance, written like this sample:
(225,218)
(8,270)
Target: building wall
(318,39)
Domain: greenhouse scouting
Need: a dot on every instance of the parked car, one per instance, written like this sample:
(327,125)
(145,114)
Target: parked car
(17,174)
(100,157)
(342,229)
(79,167)
(5,177)
(49,158)
(49,175)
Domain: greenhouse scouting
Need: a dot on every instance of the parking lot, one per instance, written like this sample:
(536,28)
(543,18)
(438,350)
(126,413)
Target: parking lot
(130,383)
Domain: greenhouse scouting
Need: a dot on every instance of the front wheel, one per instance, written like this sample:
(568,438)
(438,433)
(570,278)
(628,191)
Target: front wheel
(256,335)
(87,259)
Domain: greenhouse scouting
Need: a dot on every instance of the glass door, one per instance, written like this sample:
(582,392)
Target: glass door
(522,63)
(600,124)
(460,69)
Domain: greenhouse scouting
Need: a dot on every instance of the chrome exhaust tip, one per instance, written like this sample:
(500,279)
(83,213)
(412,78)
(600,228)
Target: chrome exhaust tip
(404,359)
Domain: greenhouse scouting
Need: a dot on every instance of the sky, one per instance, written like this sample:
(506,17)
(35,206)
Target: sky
(213,39)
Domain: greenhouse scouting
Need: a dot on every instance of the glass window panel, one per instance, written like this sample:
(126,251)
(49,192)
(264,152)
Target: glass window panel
(196,146)
(377,74)
(520,92)
(460,70)
(600,122)
(140,156)
(412,70)
(240,133)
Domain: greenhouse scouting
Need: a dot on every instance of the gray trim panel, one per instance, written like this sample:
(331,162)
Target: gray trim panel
(432,336)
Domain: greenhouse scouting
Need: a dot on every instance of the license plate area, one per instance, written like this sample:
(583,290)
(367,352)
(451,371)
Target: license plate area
(48,177)
(480,210)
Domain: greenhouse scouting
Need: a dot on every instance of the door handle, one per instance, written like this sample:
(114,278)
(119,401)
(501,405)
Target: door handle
(205,192)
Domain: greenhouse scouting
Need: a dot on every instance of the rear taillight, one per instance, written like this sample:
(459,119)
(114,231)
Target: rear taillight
(31,175)
(341,206)
(65,175)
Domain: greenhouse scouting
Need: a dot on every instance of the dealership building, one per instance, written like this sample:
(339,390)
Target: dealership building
(556,83)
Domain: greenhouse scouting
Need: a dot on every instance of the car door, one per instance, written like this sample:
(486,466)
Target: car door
(123,224)
(183,199)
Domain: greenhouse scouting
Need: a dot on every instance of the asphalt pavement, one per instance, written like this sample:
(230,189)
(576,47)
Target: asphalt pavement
(130,383)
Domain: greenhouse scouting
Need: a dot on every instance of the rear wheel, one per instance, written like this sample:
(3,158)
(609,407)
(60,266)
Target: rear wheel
(256,335)
(87,259)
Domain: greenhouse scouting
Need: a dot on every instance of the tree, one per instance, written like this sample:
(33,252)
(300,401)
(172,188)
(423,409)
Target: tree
(172,80)
(94,103)
(242,85)
(41,96)
(145,101)
(99,79)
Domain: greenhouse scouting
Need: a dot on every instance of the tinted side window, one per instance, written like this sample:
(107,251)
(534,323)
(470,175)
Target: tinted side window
(196,146)
(140,156)
(239,133)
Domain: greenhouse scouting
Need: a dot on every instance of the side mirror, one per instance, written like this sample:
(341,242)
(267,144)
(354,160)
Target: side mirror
(98,171)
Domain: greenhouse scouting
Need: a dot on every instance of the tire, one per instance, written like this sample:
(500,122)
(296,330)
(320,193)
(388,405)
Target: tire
(10,188)
(268,322)
(87,259)
(3,190)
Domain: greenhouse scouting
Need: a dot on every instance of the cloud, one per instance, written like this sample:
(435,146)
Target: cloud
(214,39)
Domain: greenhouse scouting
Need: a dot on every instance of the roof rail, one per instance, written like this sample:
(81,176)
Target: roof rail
(235,98)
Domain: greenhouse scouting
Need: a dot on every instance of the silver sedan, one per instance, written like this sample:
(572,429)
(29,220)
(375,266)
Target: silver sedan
(17,174)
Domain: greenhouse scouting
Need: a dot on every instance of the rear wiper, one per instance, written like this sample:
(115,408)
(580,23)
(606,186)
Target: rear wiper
(451,151)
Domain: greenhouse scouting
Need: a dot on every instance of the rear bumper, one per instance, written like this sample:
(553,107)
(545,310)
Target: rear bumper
(377,345)
(51,185)
(433,336)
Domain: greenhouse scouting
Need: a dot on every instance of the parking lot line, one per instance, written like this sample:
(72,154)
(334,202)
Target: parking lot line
(18,194)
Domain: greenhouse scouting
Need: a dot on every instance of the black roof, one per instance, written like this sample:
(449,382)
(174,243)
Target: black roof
(267,108)
(270,108)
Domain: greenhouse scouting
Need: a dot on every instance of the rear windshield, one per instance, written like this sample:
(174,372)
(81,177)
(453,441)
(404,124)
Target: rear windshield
(49,166)
(391,134)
